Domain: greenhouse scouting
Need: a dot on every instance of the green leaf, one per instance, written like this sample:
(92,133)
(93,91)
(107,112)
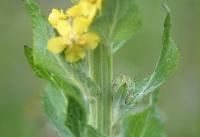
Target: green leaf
(69,89)
(118,22)
(76,111)
(167,63)
(42,32)
(37,70)
(76,119)
(55,105)
(145,124)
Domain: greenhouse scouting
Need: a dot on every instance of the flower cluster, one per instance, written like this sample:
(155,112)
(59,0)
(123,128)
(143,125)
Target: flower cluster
(74,37)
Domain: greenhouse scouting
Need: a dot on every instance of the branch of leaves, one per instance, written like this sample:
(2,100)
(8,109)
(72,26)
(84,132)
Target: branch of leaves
(128,93)
(63,104)
(67,96)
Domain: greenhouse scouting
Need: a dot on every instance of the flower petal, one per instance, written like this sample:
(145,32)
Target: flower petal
(76,10)
(55,16)
(83,8)
(63,27)
(88,10)
(89,40)
(56,45)
(74,53)
(80,25)
(96,3)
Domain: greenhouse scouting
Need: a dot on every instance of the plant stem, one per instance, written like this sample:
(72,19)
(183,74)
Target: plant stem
(103,75)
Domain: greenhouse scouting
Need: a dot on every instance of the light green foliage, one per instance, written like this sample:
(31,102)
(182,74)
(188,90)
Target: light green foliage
(147,123)
(57,86)
(72,97)
(56,112)
(118,22)
(166,65)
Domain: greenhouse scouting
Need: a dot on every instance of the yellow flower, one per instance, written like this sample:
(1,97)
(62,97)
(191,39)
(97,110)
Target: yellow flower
(75,49)
(74,39)
(56,16)
(72,27)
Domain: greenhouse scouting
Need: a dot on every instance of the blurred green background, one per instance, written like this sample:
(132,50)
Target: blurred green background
(20,91)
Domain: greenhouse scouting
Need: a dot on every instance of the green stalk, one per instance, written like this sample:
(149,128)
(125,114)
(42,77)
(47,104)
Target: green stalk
(97,77)
(103,75)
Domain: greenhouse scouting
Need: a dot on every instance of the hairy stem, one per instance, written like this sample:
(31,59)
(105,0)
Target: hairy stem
(103,75)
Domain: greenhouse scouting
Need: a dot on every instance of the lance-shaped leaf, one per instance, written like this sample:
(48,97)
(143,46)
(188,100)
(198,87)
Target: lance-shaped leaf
(55,106)
(118,21)
(147,123)
(167,63)
(144,124)
(67,88)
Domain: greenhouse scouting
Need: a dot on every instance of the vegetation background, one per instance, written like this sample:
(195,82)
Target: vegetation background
(20,91)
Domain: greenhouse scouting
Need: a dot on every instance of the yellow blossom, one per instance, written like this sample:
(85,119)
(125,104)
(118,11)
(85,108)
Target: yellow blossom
(72,27)
(75,49)
(74,39)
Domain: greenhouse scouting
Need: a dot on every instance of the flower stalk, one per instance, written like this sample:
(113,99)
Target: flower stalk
(103,75)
